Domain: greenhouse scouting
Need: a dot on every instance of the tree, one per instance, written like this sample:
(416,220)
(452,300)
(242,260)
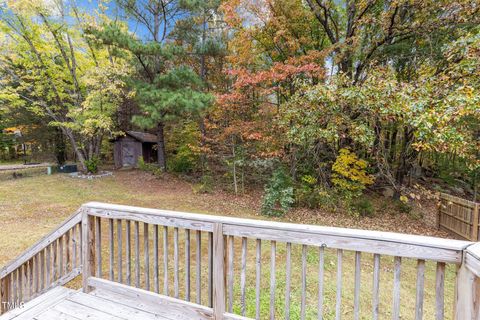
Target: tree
(165,88)
(52,68)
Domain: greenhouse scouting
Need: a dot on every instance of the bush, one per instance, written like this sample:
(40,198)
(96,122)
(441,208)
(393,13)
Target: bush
(363,207)
(149,167)
(279,195)
(92,164)
(184,161)
(204,186)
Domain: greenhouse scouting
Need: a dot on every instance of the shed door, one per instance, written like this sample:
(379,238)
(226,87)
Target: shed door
(128,154)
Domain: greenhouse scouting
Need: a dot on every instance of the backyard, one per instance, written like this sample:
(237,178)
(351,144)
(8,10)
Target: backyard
(33,206)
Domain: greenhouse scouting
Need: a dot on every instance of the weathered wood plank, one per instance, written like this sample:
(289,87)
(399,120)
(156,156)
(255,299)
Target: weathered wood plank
(210,269)
(111,242)
(187,265)
(338,305)
(420,289)
(146,253)
(98,244)
(243,277)
(230,273)
(321,271)
(304,283)
(136,237)
(273,254)
(128,253)
(376,286)
(396,288)
(218,273)
(162,305)
(440,291)
(165,261)
(155,259)
(119,251)
(198,263)
(88,249)
(258,278)
(356,294)
(175,264)
(288,271)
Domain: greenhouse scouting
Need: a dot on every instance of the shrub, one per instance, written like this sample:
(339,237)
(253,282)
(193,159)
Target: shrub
(92,164)
(279,195)
(184,161)
(153,168)
(363,207)
(204,186)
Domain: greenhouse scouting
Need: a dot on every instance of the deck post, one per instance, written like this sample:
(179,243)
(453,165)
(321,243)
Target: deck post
(467,294)
(218,272)
(88,249)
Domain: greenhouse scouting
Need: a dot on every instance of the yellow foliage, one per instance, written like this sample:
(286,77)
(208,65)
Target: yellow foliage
(350,172)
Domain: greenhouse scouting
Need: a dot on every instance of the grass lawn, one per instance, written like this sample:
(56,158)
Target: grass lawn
(31,207)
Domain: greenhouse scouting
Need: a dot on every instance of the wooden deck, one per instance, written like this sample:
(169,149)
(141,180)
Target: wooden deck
(139,263)
(61,303)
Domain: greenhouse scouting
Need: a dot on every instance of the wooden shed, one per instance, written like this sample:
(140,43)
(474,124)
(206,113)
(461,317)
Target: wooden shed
(127,149)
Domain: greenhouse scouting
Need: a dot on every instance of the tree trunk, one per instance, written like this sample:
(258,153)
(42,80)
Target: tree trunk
(60,147)
(161,155)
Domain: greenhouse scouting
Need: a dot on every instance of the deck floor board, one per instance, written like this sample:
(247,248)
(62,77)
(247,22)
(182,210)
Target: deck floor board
(67,304)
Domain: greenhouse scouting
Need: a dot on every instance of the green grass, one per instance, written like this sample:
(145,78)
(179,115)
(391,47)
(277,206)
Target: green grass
(32,207)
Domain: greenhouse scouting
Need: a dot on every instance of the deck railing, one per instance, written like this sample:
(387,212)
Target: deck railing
(54,260)
(212,267)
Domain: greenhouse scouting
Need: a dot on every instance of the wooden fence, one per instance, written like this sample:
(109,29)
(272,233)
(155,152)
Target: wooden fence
(458,217)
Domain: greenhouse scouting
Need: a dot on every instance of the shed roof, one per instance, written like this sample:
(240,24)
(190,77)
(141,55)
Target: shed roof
(143,136)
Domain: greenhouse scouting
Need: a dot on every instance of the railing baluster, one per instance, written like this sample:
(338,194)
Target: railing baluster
(338,307)
(439,291)
(67,266)
(210,269)
(175,263)
(61,254)
(54,262)
(98,245)
(198,273)
(304,282)
(112,249)
(36,284)
(420,289)
(187,265)
(15,285)
(230,273)
(165,260)
(243,276)
(48,264)
(321,263)
(30,278)
(258,270)
(136,231)
(128,254)
(273,249)
(74,246)
(20,284)
(155,258)
(288,271)
(119,251)
(42,270)
(356,295)
(376,286)
(396,288)
(146,253)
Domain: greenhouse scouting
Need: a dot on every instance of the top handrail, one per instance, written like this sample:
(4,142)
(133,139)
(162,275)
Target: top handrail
(42,243)
(421,247)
